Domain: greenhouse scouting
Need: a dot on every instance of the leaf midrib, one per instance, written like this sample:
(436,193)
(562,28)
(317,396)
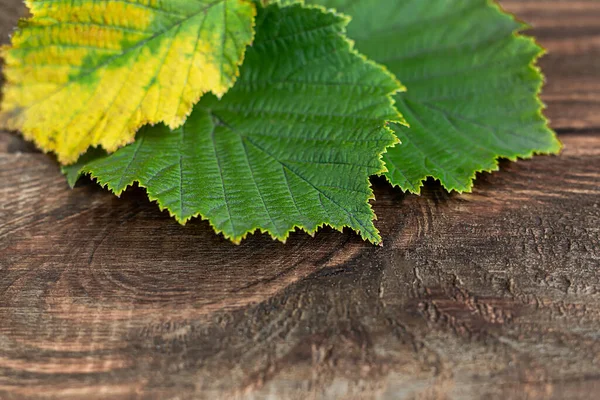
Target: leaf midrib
(372,235)
(90,71)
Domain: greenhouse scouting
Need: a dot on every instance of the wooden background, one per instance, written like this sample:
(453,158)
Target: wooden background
(494,294)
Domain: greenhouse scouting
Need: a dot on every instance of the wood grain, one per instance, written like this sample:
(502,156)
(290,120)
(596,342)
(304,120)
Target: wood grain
(494,294)
(570,32)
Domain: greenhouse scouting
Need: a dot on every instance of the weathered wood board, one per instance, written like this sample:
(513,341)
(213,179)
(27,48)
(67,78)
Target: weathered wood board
(494,294)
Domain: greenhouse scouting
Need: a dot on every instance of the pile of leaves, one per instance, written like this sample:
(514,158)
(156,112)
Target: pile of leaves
(273,115)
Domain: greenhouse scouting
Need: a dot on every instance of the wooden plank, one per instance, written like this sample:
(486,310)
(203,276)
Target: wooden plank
(10,11)
(493,294)
(570,32)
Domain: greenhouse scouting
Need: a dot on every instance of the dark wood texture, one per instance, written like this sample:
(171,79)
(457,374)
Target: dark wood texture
(489,295)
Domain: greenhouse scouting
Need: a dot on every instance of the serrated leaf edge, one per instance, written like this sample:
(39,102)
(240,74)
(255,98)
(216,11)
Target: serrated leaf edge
(237,239)
(533,66)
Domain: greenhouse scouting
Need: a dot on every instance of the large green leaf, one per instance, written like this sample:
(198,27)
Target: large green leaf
(472,86)
(292,144)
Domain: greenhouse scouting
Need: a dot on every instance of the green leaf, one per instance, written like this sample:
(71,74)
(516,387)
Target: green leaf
(292,144)
(472,86)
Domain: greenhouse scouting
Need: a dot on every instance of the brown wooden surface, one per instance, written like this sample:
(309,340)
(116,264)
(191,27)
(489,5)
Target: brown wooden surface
(490,295)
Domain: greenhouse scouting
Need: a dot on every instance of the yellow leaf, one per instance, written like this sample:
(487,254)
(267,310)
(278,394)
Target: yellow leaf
(84,73)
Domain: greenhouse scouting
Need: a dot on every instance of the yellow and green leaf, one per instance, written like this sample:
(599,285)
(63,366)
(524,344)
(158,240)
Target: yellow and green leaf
(84,73)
